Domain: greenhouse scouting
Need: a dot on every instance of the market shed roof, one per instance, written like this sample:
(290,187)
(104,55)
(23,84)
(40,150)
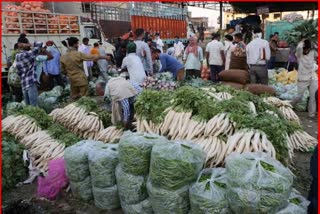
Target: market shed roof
(251,7)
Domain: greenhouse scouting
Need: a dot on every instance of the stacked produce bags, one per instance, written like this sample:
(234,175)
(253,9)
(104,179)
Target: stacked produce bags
(173,167)
(131,173)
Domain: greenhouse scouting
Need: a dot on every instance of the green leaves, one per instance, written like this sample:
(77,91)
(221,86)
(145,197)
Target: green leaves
(307,29)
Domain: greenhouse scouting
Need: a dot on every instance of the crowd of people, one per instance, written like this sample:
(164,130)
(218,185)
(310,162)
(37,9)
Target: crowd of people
(40,67)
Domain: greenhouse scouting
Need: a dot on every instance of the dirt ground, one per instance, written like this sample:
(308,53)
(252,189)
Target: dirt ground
(25,201)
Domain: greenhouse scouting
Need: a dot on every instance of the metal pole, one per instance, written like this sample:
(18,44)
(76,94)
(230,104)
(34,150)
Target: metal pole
(221,4)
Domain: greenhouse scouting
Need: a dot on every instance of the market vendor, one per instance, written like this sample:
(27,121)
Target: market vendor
(122,93)
(169,63)
(307,75)
(72,66)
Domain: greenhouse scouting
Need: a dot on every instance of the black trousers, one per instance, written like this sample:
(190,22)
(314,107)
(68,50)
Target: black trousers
(57,78)
(193,72)
(17,93)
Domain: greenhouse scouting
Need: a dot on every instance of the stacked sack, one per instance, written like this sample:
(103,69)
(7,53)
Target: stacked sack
(208,194)
(257,183)
(173,167)
(102,165)
(77,168)
(132,171)
(90,167)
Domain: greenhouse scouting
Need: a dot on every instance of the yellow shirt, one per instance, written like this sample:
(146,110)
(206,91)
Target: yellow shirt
(72,65)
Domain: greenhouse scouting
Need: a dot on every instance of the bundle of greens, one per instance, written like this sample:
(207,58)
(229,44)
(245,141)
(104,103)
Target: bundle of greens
(174,165)
(82,189)
(257,183)
(167,202)
(106,198)
(62,135)
(208,194)
(102,165)
(39,115)
(307,29)
(132,189)
(13,169)
(135,151)
(142,207)
(150,105)
(196,83)
(13,107)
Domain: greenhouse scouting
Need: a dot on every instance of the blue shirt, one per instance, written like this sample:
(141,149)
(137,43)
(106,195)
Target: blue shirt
(53,65)
(170,63)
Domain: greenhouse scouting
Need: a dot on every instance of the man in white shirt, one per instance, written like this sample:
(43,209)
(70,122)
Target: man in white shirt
(215,57)
(178,49)
(143,52)
(159,42)
(134,65)
(258,53)
(84,48)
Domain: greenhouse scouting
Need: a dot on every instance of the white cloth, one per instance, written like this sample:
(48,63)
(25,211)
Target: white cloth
(159,44)
(170,51)
(86,50)
(228,48)
(214,48)
(307,66)
(255,50)
(144,53)
(103,63)
(178,49)
(135,68)
(193,62)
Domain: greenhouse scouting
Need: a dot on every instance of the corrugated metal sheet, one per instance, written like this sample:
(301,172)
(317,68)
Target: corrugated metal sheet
(114,28)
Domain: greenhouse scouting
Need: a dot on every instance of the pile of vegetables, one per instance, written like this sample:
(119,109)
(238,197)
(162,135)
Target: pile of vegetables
(48,100)
(222,120)
(39,134)
(13,169)
(158,84)
(84,118)
(34,17)
(307,29)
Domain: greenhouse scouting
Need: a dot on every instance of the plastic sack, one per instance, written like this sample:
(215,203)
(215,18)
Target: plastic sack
(174,165)
(50,186)
(106,198)
(102,165)
(292,209)
(208,194)
(167,202)
(82,189)
(12,107)
(297,204)
(144,207)
(135,151)
(256,183)
(132,189)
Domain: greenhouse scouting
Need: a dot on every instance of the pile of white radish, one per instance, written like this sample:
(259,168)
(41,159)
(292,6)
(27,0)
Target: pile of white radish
(19,126)
(301,140)
(284,107)
(43,148)
(85,124)
(109,135)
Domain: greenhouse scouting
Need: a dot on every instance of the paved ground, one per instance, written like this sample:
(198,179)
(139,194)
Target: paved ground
(66,204)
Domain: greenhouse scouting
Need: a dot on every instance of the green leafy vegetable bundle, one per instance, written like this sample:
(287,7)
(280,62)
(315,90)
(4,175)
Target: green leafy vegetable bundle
(208,194)
(13,169)
(143,207)
(135,151)
(256,183)
(174,165)
(307,29)
(43,120)
(106,198)
(63,135)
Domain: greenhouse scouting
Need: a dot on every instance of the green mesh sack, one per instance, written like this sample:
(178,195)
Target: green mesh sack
(144,207)
(82,189)
(168,202)
(106,198)
(102,165)
(208,194)
(132,189)
(135,151)
(174,165)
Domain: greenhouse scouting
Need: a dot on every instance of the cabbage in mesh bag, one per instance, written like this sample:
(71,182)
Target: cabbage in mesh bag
(256,183)
(207,195)
(135,151)
(144,207)
(106,198)
(82,189)
(132,189)
(168,202)
(102,165)
(174,165)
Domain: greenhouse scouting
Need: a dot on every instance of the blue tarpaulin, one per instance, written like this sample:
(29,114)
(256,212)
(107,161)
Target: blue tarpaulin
(250,20)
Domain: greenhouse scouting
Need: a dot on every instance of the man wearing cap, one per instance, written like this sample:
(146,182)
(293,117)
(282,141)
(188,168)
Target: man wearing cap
(53,65)
(133,64)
